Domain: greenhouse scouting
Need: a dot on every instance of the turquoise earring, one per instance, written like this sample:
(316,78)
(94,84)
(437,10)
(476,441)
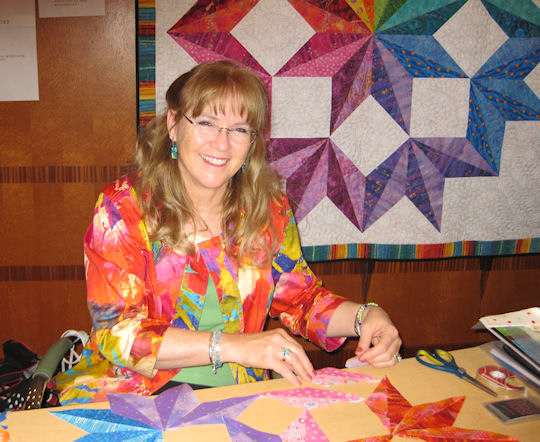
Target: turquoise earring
(174,151)
(244,166)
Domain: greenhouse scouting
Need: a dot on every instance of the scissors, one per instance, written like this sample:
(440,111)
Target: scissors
(442,360)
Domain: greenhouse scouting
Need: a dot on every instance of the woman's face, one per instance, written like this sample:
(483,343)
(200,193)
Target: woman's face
(208,159)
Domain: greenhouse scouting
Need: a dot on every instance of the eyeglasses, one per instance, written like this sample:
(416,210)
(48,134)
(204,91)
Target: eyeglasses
(238,134)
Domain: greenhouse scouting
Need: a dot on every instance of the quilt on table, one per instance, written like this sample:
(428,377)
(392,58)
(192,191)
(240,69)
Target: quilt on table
(403,129)
(133,417)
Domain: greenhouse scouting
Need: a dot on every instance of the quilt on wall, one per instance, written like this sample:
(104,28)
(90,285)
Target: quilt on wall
(402,129)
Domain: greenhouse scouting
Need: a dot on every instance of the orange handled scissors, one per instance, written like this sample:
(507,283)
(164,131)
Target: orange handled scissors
(442,360)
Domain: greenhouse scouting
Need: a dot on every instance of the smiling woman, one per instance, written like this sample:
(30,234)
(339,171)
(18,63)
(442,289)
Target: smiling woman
(187,257)
(211,96)
(211,150)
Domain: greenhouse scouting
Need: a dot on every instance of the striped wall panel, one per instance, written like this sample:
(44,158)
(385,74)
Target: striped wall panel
(61,174)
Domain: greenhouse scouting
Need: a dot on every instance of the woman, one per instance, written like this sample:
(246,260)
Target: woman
(187,257)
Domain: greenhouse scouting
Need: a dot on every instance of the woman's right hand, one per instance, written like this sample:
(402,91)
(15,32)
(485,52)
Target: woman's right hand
(268,350)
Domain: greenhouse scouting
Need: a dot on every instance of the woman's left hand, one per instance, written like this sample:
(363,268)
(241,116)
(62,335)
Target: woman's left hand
(379,340)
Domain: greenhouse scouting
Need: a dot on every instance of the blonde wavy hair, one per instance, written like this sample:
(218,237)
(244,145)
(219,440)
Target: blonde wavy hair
(246,206)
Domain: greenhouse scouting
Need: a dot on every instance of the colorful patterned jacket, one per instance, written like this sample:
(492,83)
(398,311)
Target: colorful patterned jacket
(134,286)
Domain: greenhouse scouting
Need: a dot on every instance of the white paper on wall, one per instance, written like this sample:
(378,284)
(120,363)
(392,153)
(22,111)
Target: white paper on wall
(18,53)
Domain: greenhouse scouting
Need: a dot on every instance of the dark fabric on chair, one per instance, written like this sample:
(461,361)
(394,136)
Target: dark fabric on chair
(172,384)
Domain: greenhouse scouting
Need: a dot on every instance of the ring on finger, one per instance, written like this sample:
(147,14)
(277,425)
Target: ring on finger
(286,352)
(398,357)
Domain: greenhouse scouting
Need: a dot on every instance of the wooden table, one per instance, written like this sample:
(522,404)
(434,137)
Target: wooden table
(340,422)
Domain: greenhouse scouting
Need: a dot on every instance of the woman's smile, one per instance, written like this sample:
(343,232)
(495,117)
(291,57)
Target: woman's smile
(213,160)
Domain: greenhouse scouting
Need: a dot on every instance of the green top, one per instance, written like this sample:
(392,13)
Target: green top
(211,320)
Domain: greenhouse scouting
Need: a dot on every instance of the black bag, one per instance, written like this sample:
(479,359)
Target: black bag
(19,364)
(16,370)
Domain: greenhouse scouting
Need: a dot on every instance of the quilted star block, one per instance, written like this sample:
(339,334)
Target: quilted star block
(430,421)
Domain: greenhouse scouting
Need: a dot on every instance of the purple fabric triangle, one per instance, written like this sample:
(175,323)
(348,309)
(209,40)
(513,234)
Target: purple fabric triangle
(287,153)
(425,186)
(173,404)
(312,169)
(163,411)
(137,407)
(455,157)
(401,83)
(337,188)
(383,89)
(355,182)
(239,432)
(385,185)
(212,412)
(315,190)
(352,84)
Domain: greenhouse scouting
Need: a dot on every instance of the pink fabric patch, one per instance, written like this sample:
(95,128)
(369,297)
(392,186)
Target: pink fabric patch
(302,429)
(329,376)
(308,397)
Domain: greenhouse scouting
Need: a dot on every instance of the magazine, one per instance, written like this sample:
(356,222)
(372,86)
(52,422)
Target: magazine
(519,332)
(511,363)
(520,342)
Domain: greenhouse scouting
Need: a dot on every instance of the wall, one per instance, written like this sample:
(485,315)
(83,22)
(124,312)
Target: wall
(57,153)
(435,303)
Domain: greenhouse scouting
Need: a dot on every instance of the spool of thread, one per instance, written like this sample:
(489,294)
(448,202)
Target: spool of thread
(500,377)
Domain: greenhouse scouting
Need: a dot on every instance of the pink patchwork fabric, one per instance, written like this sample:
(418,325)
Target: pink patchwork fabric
(302,429)
(329,376)
(308,397)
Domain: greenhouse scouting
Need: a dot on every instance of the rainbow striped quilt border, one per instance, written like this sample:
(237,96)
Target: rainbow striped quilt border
(422,251)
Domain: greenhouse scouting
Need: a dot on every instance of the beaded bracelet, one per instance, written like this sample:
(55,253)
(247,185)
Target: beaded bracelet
(213,350)
(359,314)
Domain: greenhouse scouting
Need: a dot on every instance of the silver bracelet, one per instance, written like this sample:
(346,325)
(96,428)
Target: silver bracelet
(213,350)
(360,314)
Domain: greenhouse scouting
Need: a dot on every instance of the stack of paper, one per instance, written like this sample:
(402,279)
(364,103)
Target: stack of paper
(518,347)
